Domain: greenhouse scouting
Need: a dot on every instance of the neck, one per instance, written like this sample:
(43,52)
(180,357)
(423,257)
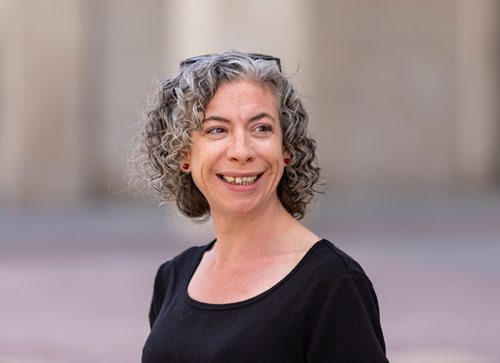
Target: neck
(252,236)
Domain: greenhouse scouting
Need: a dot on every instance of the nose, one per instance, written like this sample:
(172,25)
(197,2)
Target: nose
(241,150)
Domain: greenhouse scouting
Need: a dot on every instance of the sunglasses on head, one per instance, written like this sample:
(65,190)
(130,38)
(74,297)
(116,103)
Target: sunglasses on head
(254,56)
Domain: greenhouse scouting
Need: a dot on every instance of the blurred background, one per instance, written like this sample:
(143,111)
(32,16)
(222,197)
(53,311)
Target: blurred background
(403,98)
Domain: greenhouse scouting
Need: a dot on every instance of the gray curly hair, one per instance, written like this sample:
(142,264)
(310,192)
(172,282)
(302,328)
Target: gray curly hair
(173,112)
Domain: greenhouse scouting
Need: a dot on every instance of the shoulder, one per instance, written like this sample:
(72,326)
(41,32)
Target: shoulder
(334,262)
(183,261)
(345,299)
(340,278)
(174,272)
(327,268)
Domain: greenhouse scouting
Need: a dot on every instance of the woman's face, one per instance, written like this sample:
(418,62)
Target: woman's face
(236,159)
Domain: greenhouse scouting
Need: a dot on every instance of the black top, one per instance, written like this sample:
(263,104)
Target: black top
(324,310)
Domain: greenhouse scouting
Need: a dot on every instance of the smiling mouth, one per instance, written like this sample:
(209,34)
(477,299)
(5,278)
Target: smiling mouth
(237,180)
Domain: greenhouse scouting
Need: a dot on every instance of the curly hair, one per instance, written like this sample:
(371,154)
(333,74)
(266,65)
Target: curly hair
(173,112)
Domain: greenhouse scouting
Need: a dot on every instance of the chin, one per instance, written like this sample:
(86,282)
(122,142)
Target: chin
(240,209)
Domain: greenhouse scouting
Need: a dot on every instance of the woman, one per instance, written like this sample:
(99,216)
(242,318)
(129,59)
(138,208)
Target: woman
(226,138)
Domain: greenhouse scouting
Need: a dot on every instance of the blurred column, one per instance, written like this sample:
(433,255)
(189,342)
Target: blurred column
(478,73)
(74,73)
(41,90)
(132,51)
(282,28)
(386,95)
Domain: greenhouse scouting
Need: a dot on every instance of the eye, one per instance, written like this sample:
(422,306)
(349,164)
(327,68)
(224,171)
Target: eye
(263,128)
(215,130)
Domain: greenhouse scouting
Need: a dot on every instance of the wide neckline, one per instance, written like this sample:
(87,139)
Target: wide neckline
(237,304)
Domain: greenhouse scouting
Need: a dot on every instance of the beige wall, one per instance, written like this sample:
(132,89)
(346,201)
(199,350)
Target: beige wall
(388,88)
(41,73)
(283,28)
(402,94)
(476,136)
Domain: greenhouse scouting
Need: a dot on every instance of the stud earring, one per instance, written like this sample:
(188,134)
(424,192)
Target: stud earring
(287,161)
(185,166)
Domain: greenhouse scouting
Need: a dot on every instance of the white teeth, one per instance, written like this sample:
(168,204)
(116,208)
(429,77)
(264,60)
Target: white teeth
(245,180)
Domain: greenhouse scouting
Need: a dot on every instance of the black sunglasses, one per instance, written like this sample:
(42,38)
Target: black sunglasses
(254,56)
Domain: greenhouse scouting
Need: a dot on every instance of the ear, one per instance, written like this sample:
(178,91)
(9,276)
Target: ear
(186,164)
(286,157)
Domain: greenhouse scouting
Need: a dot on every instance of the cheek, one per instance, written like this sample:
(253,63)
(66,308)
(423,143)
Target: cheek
(203,159)
(197,166)
(198,178)
(274,149)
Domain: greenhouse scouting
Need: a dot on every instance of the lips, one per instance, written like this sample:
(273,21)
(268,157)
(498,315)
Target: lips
(239,180)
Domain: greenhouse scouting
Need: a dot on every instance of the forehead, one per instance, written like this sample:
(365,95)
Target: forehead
(243,93)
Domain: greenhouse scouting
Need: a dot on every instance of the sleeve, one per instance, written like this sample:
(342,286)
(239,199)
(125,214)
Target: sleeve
(348,326)
(158,295)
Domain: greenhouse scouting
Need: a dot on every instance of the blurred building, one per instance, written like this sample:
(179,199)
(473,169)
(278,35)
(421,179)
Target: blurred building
(402,94)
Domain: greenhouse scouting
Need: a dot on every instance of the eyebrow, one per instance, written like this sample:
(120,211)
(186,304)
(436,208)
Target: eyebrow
(252,119)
